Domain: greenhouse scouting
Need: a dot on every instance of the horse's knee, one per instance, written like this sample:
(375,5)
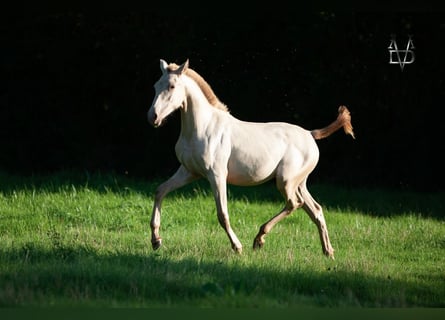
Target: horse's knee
(223,220)
(159,194)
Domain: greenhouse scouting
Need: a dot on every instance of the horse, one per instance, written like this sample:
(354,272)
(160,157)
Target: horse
(217,146)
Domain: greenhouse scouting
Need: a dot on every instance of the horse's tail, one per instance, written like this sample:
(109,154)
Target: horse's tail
(343,120)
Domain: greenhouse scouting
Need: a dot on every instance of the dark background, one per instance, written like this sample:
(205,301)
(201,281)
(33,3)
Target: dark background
(77,87)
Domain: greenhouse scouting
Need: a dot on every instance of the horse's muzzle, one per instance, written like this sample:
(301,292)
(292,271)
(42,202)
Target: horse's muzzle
(153,119)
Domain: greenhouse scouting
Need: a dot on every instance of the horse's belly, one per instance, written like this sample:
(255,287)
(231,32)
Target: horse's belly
(243,174)
(240,180)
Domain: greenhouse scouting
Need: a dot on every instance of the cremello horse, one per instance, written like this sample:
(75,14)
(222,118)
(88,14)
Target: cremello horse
(217,146)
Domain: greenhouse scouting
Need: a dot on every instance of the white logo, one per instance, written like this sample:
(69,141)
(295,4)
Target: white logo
(407,54)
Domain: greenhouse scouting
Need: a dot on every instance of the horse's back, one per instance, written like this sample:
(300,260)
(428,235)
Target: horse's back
(273,137)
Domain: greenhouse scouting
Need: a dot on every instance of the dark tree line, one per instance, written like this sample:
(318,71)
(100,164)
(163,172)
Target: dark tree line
(77,88)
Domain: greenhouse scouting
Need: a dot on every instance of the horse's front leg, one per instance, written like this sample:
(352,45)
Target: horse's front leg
(179,179)
(219,188)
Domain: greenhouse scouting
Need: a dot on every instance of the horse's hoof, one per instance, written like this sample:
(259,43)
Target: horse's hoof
(238,250)
(257,244)
(156,244)
(329,254)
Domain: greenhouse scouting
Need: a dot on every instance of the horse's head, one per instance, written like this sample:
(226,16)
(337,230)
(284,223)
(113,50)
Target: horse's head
(169,93)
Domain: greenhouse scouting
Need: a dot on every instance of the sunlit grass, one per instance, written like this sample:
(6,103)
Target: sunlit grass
(75,239)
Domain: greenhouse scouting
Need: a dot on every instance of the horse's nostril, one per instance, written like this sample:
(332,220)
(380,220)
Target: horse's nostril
(152,116)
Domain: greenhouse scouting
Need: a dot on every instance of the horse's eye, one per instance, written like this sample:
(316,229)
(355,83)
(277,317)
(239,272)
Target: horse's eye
(172,86)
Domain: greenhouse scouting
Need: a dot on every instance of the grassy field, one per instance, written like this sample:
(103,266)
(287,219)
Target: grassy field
(79,240)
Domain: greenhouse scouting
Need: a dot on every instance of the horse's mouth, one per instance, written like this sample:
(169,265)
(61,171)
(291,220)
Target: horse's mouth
(155,121)
(159,122)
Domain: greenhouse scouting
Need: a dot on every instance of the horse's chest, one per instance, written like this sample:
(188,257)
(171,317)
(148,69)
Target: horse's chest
(196,156)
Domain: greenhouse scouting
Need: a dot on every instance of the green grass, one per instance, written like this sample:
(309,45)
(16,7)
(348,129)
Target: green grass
(72,239)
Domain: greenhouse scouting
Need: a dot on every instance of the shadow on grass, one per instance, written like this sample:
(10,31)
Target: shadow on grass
(83,277)
(375,202)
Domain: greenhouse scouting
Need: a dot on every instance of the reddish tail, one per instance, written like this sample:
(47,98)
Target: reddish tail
(343,120)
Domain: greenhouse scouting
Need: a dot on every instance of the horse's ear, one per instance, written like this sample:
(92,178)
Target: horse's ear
(163,66)
(183,67)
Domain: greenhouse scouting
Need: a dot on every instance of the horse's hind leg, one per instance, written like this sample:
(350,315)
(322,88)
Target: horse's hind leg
(292,203)
(315,212)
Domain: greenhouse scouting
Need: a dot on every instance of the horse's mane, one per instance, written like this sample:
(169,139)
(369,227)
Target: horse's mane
(203,85)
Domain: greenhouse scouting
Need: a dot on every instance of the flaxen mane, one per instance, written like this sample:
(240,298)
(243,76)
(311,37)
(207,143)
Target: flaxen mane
(205,87)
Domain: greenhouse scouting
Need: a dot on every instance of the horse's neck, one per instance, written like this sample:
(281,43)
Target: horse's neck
(197,112)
